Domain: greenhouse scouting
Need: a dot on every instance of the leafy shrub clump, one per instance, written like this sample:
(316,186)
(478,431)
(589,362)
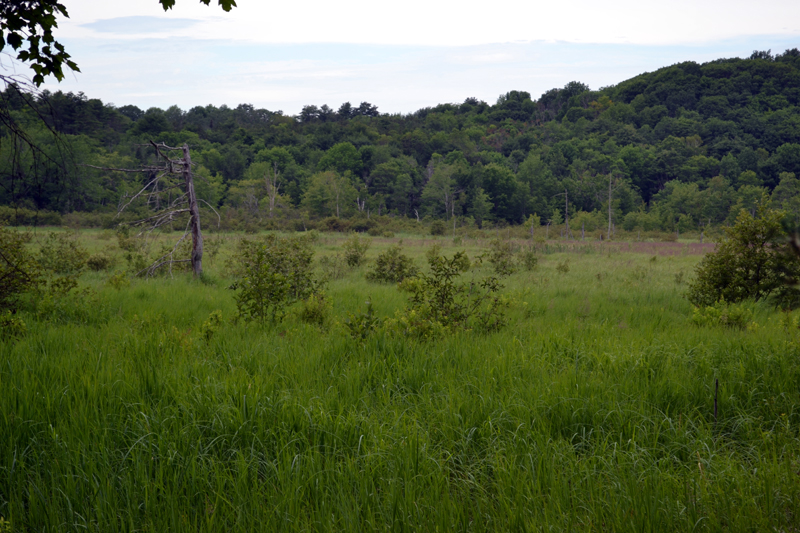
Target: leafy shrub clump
(118,281)
(438,227)
(133,249)
(501,256)
(392,266)
(99,262)
(315,309)
(441,298)
(721,313)
(272,273)
(563,267)
(362,325)
(753,261)
(63,254)
(11,326)
(528,259)
(355,250)
(211,325)
(19,271)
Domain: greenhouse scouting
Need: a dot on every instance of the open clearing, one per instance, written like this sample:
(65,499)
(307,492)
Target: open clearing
(592,410)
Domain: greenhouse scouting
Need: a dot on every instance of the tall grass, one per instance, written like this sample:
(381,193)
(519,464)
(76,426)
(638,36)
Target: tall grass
(593,411)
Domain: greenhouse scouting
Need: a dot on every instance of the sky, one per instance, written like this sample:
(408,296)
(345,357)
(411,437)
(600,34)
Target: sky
(400,56)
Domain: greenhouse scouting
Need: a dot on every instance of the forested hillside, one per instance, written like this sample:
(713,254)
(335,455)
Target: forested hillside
(681,148)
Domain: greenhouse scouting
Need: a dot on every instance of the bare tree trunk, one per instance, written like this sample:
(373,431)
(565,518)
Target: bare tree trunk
(272,188)
(610,179)
(194,214)
(566,211)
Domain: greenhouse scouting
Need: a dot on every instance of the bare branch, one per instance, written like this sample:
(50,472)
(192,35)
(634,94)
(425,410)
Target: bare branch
(219,218)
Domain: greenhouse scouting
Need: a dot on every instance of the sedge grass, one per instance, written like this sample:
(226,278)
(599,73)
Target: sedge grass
(593,410)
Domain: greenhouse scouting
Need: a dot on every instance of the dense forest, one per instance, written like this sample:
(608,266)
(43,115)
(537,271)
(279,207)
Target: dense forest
(679,149)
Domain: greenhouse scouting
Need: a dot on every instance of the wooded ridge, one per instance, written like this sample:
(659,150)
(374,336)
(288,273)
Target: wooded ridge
(682,148)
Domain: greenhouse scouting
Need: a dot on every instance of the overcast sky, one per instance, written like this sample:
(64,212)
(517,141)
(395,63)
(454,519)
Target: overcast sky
(400,56)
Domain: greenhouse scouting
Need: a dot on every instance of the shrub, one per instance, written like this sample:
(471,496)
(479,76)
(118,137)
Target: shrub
(433,252)
(272,273)
(563,267)
(211,325)
(501,256)
(392,266)
(528,259)
(439,297)
(133,249)
(11,326)
(62,253)
(362,325)
(721,313)
(118,280)
(315,309)
(361,224)
(753,261)
(438,227)
(19,272)
(335,224)
(99,262)
(355,250)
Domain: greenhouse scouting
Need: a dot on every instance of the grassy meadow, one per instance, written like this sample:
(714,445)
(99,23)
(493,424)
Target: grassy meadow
(592,410)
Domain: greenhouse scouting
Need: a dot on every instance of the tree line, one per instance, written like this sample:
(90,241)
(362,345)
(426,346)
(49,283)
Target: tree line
(682,148)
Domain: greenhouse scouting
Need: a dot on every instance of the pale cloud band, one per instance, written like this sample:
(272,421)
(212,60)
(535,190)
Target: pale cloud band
(443,23)
(399,56)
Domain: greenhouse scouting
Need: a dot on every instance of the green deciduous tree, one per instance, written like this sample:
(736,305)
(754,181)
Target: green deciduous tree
(330,194)
(754,261)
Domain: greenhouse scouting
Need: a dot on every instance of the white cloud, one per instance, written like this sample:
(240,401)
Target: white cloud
(444,23)
(400,56)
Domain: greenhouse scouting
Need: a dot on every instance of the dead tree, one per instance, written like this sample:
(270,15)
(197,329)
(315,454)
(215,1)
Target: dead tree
(271,181)
(170,174)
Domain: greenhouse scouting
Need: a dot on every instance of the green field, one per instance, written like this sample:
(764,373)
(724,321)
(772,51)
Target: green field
(592,410)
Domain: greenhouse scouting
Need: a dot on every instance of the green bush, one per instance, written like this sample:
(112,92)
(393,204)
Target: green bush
(441,298)
(501,256)
(392,266)
(132,248)
(19,216)
(99,262)
(315,309)
(721,313)
(355,250)
(62,253)
(753,261)
(438,227)
(11,326)
(528,259)
(362,325)
(272,273)
(19,271)
(211,325)
(119,280)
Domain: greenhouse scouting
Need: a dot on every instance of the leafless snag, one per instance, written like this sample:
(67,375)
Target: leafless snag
(271,181)
(173,172)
